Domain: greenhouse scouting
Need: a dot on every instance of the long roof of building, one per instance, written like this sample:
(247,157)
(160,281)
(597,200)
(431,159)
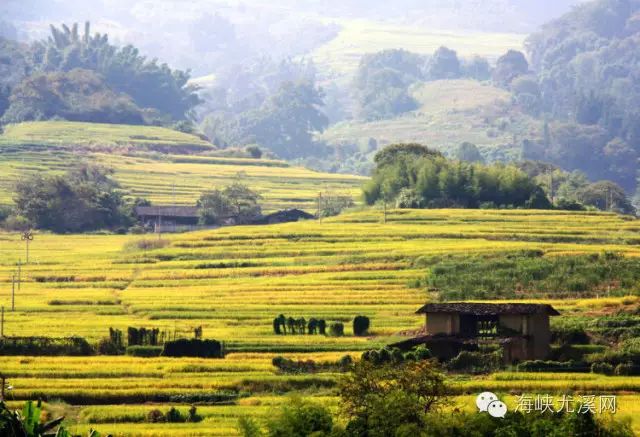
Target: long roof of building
(167,211)
(487,309)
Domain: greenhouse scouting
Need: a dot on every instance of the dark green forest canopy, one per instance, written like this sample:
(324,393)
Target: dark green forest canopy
(390,154)
(283,122)
(86,198)
(587,65)
(79,76)
(413,176)
(382,81)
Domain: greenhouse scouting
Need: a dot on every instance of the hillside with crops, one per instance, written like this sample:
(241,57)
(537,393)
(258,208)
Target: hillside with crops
(162,165)
(228,218)
(232,282)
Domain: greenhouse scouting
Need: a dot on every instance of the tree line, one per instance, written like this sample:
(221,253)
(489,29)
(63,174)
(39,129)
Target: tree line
(383,79)
(580,83)
(85,198)
(80,76)
(283,325)
(412,398)
(414,176)
(88,198)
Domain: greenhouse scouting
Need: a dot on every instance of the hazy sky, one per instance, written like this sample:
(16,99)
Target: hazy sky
(203,34)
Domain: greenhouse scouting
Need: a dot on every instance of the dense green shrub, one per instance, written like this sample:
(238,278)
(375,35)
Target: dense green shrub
(602,368)
(616,356)
(332,204)
(576,352)
(627,369)
(288,365)
(300,418)
(155,416)
(552,366)
(377,399)
(107,347)
(394,355)
(173,415)
(361,325)
(193,348)
(221,397)
(248,427)
(74,346)
(475,362)
(193,415)
(423,353)
(336,329)
(569,335)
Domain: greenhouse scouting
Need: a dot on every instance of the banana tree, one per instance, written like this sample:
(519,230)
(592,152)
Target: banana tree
(26,423)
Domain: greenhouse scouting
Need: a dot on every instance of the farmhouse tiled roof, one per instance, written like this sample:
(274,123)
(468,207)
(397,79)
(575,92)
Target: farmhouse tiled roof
(167,211)
(487,309)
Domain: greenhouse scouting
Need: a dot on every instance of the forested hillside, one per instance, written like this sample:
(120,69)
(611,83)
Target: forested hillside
(79,76)
(586,66)
(143,164)
(567,97)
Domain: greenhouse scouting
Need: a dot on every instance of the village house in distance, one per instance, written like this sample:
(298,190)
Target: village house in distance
(179,218)
(522,330)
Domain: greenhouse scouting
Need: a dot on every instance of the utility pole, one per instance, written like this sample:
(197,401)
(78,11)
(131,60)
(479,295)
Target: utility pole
(159,225)
(13,292)
(27,237)
(384,217)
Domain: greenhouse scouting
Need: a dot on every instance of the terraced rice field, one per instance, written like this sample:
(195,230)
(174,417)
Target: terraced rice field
(158,164)
(115,394)
(341,55)
(233,281)
(450,112)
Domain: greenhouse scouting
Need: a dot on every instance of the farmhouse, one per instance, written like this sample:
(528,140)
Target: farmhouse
(522,330)
(168,218)
(178,218)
